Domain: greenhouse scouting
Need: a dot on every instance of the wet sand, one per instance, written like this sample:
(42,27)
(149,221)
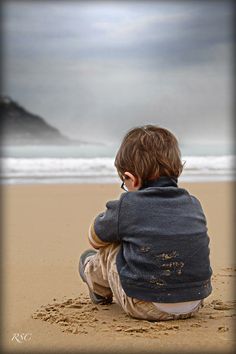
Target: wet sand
(45,231)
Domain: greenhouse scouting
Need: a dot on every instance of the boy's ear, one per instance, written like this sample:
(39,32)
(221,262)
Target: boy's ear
(134,179)
(129,175)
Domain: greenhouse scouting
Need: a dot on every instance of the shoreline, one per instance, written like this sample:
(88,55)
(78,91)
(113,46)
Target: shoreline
(83,170)
(108,180)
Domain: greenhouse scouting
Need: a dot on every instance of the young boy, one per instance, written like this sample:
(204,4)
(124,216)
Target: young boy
(152,243)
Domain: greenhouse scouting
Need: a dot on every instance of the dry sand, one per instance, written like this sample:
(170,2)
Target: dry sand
(45,231)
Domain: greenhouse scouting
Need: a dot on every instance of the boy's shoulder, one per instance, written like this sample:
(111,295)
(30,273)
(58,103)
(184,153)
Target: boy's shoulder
(158,195)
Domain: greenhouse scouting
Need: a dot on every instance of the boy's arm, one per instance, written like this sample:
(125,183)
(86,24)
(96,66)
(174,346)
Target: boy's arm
(94,240)
(104,230)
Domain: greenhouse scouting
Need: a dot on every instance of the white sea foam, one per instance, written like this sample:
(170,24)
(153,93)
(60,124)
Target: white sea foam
(210,164)
(102,170)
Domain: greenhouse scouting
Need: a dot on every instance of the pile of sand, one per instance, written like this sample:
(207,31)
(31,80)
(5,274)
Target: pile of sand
(78,315)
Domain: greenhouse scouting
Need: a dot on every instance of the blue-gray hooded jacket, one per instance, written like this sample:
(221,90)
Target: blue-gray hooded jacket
(164,253)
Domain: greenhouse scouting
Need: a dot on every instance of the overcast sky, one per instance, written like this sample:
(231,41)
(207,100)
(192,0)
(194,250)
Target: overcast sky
(96,69)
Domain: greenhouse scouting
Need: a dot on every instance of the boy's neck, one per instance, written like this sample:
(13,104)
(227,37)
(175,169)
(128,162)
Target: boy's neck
(163,181)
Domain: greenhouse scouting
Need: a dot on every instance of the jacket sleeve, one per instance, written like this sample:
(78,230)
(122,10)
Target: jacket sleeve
(104,229)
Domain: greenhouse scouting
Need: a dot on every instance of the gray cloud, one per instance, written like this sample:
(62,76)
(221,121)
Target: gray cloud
(96,69)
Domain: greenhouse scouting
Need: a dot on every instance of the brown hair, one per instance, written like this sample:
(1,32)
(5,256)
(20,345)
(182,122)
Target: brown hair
(149,152)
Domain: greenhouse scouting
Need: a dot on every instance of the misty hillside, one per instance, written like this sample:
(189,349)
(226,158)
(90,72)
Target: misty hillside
(18,126)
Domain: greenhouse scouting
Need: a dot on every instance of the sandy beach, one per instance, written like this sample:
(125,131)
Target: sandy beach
(44,232)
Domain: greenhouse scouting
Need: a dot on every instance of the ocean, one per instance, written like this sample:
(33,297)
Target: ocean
(91,163)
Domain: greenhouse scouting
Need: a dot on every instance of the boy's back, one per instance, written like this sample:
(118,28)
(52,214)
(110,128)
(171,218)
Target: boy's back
(164,254)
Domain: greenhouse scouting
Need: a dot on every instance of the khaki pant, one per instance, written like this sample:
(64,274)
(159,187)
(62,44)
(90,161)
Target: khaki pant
(103,279)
